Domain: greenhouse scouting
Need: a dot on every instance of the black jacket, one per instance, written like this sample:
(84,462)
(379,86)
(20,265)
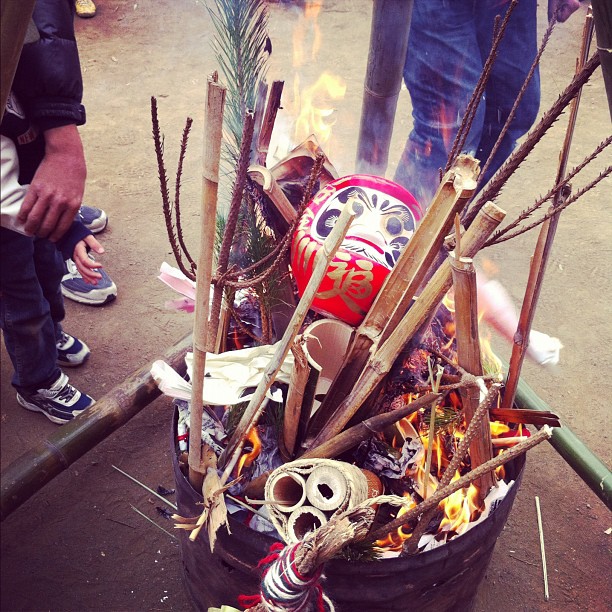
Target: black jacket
(48,80)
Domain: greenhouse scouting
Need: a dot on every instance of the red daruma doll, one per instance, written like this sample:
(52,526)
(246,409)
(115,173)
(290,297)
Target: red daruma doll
(387,215)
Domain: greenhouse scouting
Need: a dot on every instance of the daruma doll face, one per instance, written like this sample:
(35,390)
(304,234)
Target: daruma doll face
(386,218)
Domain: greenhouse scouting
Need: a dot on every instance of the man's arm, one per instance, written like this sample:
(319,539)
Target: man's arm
(56,191)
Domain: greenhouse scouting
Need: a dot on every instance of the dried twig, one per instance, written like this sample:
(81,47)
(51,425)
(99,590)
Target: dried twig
(542,549)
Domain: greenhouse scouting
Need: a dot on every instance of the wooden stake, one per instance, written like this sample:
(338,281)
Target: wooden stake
(267,124)
(403,281)
(253,411)
(352,437)
(213,130)
(383,357)
(546,237)
(295,396)
(468,356)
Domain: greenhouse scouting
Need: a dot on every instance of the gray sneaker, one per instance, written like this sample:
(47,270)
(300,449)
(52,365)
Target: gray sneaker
(75,288)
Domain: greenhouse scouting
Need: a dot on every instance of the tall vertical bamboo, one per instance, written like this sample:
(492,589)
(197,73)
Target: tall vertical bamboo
(383,81)
(213,131)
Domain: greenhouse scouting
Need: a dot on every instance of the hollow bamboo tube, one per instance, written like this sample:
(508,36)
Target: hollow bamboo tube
(326,488)
(287,490)
(213,133)
(42,463)
(383,80)
(321,263)
(304,520)
(382,358)
(468,357)
(402,283)
(14,20)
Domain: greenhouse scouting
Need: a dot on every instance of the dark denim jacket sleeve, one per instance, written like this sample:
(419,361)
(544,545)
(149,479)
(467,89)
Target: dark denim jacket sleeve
(48,80)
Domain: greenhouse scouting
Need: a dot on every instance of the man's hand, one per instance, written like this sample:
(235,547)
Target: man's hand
(562,9)
(56,191)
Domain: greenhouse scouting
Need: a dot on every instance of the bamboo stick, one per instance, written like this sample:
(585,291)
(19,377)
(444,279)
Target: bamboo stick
(50,457)
(295,397)
(383,356)
(545,241)
(251,415)
(468,357)
(213,131)
(383,80)
(431,502)
(403,281)
(269,118)
(13,25)
(352,437)
(518,415)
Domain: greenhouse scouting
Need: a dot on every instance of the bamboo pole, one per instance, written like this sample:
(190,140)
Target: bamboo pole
(252,413)
(546,237)
(49,458)
(468,357)
(350,438)
(402,283)
(602,15)
(14,19)
(213,132)
(295,396)
(269,118)
(383,356)
(383,80)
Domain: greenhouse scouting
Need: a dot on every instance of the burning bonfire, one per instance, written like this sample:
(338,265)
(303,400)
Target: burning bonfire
(341,394)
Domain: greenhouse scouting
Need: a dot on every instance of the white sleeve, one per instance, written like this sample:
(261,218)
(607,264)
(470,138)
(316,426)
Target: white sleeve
(11,192)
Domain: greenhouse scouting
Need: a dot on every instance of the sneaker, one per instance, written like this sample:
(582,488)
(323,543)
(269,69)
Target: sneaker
(71,352)
(75,288)
(85,8)
(60,403)
(94,219)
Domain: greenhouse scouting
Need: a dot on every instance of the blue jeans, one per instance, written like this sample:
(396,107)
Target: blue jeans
(449,43)
(31,307)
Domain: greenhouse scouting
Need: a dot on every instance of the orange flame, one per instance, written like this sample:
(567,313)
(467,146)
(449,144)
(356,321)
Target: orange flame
(247,458)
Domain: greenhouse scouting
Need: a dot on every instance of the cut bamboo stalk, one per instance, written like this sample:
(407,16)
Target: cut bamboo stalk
(546,237)
(403,281)
(263,177)
(253,411)
(518,415)
(468,357)
(350,438)
(383,357)
(269,118)
(213,131)
(295,397)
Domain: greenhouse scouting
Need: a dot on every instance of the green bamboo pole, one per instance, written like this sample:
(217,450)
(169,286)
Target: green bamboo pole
(14,19)
(383,81)
(578,456)
(38,466)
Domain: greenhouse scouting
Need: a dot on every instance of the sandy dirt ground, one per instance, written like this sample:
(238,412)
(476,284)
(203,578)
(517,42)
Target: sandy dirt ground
(78,544)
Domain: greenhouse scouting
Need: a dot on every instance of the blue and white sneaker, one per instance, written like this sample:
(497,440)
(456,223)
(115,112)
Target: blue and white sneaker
(94,219)
(71,351)
(60,403)
(75,288)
